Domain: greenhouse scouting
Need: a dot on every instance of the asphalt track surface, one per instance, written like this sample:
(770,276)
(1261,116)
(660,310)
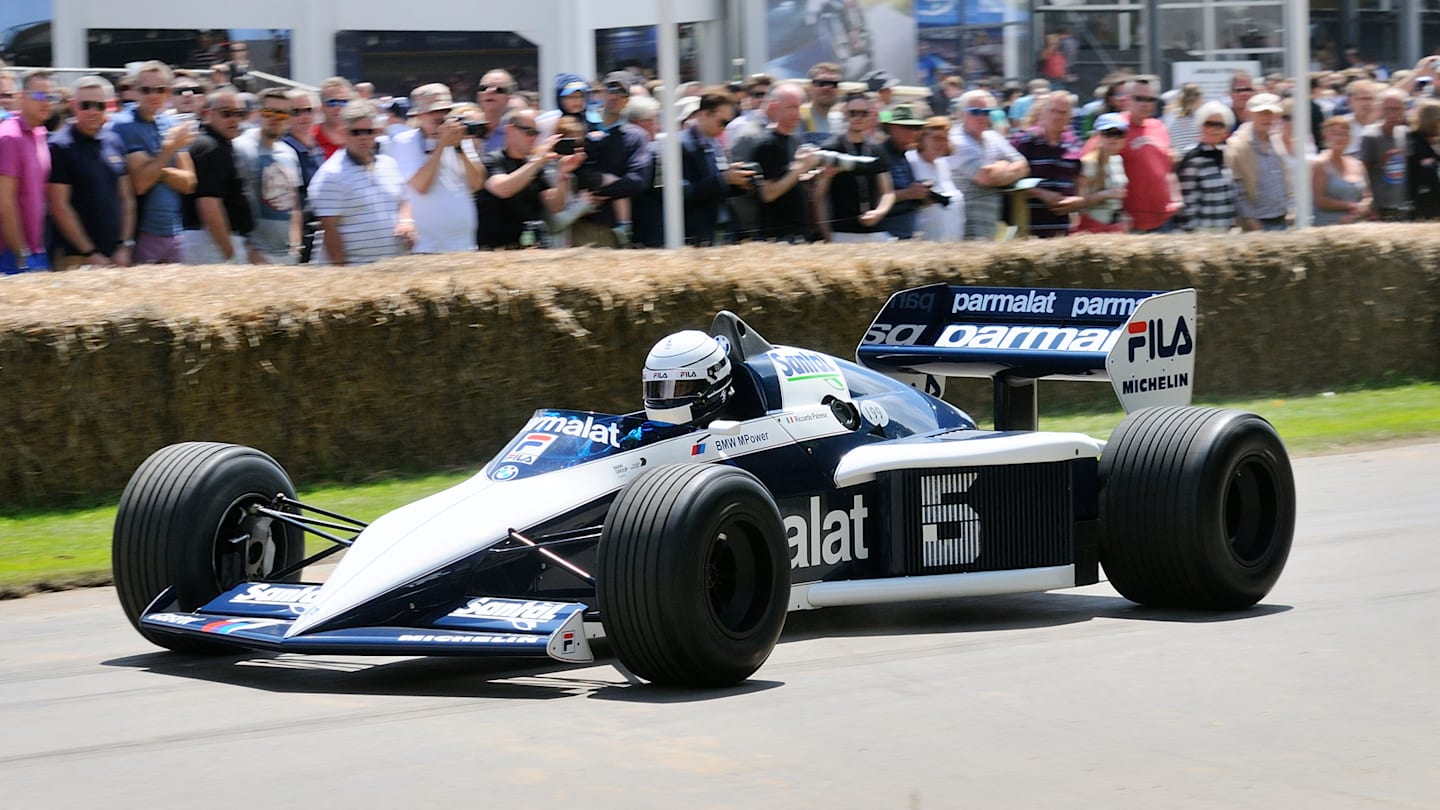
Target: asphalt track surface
(1325,695)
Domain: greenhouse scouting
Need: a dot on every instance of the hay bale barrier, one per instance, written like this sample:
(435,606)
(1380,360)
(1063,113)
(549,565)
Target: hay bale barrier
(431,362)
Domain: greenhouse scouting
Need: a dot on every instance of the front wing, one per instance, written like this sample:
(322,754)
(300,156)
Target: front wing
(256,616)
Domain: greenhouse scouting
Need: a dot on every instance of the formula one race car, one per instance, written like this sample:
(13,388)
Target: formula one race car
(835,483)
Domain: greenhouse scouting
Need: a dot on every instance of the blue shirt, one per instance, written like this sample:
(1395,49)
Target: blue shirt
(157,210)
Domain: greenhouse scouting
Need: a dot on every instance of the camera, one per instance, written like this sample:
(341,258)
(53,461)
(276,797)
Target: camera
(565,146)
(477,129)
(938,198)
(844,161)
(759,175)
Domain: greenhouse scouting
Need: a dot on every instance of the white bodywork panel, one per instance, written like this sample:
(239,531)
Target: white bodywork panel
(813,595)
(969,449)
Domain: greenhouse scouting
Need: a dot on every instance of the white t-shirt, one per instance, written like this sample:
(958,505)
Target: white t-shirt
(366,199)
(445,215)
(938,223)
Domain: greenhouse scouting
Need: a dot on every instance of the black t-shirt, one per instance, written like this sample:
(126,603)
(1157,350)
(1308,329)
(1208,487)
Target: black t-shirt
(216,176)
(783,217)
(856,191)
(503,220)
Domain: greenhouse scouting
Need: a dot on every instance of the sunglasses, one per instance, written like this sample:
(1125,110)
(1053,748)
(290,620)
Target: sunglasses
(186,91)
(531,131)
(1143,99)
(496,88)
(90,105)
(1113,133)
(978,110)
(759,93)
(617,90)
(41,95)
(1214,124)
(359,131)
(336,102)
(154,89)
(6,96)
(302,111)
(857,113)
(1242,89)
(826,83)
(232,113)
(268,112)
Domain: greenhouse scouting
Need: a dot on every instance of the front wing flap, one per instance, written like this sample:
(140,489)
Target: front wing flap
(256,616)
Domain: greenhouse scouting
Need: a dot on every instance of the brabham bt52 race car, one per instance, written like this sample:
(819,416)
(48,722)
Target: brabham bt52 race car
(828,483)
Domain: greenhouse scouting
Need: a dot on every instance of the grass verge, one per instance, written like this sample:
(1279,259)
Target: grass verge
(57,550)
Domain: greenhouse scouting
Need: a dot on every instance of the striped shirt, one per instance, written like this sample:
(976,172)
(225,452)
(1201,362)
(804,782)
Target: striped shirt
(367,201)
(1184,131)
(1058,167)
(1208,189)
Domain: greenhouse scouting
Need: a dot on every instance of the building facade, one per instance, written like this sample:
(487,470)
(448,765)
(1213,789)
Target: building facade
(400,44)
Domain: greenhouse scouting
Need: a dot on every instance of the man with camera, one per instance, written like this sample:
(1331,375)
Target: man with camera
(518,192)
(440,179)
(785,167)
(710,180)
(854,192)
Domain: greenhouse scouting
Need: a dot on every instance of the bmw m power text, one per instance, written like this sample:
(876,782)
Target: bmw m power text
(778,479)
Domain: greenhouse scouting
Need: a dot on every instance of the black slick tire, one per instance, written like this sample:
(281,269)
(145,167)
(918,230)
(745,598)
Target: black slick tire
(183,522)
(693,577)
(1198,508)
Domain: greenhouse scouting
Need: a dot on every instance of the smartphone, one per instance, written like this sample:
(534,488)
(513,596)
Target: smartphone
(565,146)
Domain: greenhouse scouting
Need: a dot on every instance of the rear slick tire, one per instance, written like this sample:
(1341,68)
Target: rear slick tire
(184,522)
(693,577)
(1198,508)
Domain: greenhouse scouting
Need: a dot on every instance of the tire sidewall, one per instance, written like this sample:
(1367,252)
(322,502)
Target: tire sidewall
(1225,446)
(249,477)
(709,503)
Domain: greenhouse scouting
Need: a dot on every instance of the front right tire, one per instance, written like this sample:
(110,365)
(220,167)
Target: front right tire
(693,577)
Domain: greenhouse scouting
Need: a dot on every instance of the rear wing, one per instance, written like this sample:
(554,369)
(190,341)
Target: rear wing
(1142,342)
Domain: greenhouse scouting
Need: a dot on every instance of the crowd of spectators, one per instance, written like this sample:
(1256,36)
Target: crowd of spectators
(199,169)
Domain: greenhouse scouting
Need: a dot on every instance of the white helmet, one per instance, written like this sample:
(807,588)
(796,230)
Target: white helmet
(687,378)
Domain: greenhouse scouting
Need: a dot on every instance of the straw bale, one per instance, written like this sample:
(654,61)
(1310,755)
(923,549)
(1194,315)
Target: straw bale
(432,362)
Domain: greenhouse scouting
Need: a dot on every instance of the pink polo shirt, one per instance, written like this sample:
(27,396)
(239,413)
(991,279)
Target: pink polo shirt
(25,155)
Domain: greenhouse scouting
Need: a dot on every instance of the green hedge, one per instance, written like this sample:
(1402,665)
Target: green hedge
(432,362)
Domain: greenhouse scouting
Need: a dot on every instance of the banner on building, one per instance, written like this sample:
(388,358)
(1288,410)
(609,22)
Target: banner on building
(858,35)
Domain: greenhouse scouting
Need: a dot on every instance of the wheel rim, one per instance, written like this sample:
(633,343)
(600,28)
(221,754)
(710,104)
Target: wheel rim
(735,571)
(245,545)
(1252,506)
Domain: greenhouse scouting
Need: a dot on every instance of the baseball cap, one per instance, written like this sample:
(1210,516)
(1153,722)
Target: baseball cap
(575,87)
(905,115)
(624,78)
(1112,121)
(877,80)
(1265,102)
(430,98)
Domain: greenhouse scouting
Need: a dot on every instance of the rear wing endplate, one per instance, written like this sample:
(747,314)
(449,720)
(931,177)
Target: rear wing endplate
(1142,342)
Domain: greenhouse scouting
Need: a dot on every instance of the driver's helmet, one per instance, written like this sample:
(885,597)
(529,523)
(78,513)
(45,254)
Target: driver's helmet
(687,378)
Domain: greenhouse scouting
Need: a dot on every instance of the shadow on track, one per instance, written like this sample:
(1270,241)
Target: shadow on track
(503,679)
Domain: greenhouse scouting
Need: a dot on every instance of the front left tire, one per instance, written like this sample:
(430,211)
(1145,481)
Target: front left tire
(185,521)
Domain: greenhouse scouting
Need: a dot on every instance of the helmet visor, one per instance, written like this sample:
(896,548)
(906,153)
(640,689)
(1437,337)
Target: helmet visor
(669,393)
